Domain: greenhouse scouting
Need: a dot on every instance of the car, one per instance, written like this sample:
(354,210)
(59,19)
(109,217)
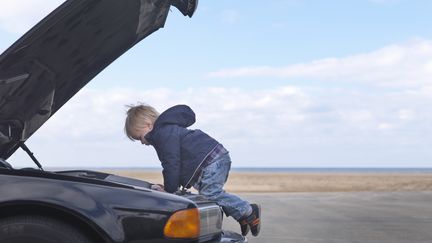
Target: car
(39,73)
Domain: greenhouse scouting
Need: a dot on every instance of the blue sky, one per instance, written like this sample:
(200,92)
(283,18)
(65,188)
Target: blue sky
(282,83)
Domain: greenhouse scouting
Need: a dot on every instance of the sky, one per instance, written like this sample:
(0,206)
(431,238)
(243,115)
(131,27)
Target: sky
(281,83)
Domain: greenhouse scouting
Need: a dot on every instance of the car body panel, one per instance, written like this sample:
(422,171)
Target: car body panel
(47,66)
(38,74)
(109,206)
(120,213)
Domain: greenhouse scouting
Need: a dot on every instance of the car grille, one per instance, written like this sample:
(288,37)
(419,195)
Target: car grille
(211,219)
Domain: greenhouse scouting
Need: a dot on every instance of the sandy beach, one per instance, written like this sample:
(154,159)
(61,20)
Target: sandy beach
(250,182)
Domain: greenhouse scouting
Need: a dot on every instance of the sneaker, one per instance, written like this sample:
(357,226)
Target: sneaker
(244,226)
(254,220)
(186,7)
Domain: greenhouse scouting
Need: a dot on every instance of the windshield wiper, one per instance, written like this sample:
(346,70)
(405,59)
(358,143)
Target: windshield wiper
(27,150)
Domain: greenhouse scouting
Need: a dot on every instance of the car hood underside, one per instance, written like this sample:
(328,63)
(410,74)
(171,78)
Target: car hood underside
(55,59)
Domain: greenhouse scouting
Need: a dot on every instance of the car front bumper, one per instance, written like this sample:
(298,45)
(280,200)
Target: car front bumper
(231,237)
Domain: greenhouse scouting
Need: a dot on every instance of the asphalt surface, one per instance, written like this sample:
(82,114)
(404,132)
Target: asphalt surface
(363,217)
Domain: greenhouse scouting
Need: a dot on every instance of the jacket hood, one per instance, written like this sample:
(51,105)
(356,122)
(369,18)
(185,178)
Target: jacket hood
(181,115)
(41,71)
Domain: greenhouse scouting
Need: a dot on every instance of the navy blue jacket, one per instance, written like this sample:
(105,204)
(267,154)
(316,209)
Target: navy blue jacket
(180,150)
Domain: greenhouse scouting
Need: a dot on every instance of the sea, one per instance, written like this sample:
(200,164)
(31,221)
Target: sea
(268,170)
(336,170)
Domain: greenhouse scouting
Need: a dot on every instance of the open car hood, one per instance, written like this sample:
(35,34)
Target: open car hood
(48,65)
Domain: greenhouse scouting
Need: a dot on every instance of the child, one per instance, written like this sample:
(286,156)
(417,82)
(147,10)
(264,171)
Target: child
(190,158)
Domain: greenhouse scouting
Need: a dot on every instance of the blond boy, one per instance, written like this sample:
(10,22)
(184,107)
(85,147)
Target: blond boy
(190,157)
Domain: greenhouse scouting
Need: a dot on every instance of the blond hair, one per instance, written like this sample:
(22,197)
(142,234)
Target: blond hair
(138,116)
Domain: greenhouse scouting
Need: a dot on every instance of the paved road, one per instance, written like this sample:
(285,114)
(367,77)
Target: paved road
(363,217)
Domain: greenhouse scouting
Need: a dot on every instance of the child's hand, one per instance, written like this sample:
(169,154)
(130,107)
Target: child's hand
(157,187)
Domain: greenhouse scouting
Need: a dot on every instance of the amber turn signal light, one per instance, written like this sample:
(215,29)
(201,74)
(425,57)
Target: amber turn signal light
(183,224)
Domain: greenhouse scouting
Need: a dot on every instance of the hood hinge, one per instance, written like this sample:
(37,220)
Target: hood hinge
(27,150)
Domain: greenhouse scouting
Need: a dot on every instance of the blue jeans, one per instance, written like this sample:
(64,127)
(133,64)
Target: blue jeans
(210,184)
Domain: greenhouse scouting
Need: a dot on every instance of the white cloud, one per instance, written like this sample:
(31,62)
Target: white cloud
(357,116)
(385,126)
(406,114)
(281,126)
(19,16)
(213,106)
(397,65)
(93,121)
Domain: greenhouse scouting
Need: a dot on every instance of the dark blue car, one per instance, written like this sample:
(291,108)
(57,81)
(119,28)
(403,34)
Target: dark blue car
(38,75)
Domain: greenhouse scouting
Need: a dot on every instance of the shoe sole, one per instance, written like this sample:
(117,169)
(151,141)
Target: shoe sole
(246,231)
(259,217)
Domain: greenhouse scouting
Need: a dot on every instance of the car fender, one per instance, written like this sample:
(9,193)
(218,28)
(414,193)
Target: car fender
(111,211)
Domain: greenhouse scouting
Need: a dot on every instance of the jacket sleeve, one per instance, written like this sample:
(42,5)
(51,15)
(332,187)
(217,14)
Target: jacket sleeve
(167,146)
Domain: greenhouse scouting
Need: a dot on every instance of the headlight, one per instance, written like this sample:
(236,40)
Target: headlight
(183,224)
